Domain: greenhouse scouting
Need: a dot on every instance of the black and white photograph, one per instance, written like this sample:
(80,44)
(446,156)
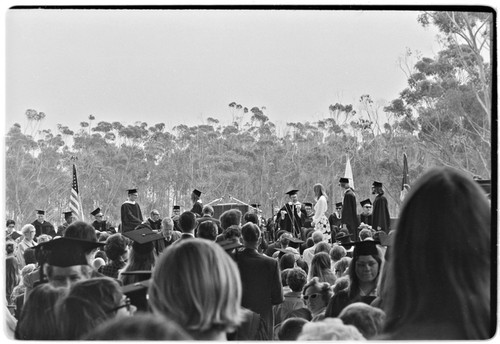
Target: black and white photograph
(250,171)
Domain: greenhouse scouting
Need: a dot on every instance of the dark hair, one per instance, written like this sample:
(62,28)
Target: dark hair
(142,259)
(290,328)
(38,315)
(251,217)
(367,319)
(208,209)
(232,232)
(10,222)
(353,277)
(337,252)
(116,246)
(29,256)
(80,230)
(322,247)
(250,232)
(230,217)
(9,247)
(287,261)
(296,279)
(207,230)
(187,221)
(443,238)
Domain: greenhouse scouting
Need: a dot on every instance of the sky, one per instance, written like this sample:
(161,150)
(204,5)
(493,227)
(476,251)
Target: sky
(184,66)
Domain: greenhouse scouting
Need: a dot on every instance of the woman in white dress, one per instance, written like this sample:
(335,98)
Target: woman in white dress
(320,221)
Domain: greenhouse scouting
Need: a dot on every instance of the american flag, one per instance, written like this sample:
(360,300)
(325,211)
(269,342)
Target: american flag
(74,201)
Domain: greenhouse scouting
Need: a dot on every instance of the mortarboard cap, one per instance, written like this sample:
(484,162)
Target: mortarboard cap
(366,201)
(177,207)
(343,237)
(64,252)
(292,192)
(40,212)
(296,240)
(377,184)
(143,237)
(197,192)
(96,212)
(363,248)
(137,292)
(255,205)
(67,213)
(343,180)
(308,204)
(338,205)
(131,191)
(230,244)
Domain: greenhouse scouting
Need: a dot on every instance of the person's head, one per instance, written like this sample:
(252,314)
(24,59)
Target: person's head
(367,319)
(338,207)
(293,195)
(285,239)
(291,328)
(366,205)
(365,233)
(80,230)
(10,247)
(250,234)
(443,238)
(102,236)
(40,215)
(195,195)
(322,247)
(167,228)
(187,222)
(29,256)
(329,329)
(176,210)
(232,232)
(142,326)
(342,283)
(28,231)
(98,262)
(377,188)
(251,217)
(316,294)
(27,269)
(208,303)
(90,303)
(365,266)
(317,237)
(132,195)
(116,246)
(207,230)
(287,261)
(11,225)
(296,279)
(69,217)
(344,183)
(229,218)
(337,252)
(208,210)
(155,215)
(319,190)
(341,267)
(38,316)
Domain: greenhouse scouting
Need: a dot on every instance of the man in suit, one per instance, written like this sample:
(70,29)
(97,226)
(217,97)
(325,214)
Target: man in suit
(169,235)
(187,223)
(260,277)
(208,213)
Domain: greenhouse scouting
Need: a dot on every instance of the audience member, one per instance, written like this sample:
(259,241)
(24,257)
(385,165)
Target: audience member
(208,304)
(329,329)
(116,251)
(439,283)
(207,215)
(321,268)
(11,269)
(307,255)
(28,231)
(169,235)
(341,268)
(88,304)
(341,284)
(38,317)
(367,319)
(337,253)
(296,279)
(187,224)
(207,230)
(364,271)
(291,328)
(322,247)
(316,296)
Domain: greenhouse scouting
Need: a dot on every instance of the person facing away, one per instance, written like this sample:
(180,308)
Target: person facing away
(381,220)
(130,211)
(260,277)
(349,217)
(208,213)
(197,204)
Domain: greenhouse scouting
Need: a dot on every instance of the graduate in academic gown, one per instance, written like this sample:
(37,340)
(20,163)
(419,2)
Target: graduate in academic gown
(130,211)
(349,213)
(381,216)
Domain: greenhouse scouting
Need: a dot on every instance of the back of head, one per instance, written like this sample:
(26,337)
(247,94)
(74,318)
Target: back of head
(80,230)
(210,298)
(317,236)
(251,217)
(142,326)
(250,232)
(367,319)
(229,218)
(38,317)
(208,210)
(337,252)
(329,329)
(207,230)
(442,240)
(296,279)
(321,261)
(187,221)
(287,261)
(291,328)
(116,246)
(322,247)
(341,284)
(87,304)
(365,233)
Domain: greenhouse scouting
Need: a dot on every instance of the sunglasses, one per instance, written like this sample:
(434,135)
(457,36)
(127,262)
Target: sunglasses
(312,296)
(126,305)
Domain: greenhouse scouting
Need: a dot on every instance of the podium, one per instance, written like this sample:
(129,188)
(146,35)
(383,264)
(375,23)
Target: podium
(220,208)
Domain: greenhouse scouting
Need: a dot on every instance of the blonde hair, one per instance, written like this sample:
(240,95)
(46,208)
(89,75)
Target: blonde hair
(26,228)
(197,283)
(319,190)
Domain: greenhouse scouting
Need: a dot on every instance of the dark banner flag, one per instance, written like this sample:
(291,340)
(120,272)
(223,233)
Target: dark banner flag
(405,185)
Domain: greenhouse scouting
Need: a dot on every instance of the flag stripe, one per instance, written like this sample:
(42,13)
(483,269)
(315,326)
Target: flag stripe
(74,200)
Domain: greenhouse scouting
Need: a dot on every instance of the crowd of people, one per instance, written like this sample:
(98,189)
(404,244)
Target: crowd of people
(306,277)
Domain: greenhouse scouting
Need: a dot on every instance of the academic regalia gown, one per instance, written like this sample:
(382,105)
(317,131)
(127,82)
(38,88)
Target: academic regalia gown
(381,217)
(366,219)
(197,208)
(349,213)
(43,228)
(292,224)
(131,216)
